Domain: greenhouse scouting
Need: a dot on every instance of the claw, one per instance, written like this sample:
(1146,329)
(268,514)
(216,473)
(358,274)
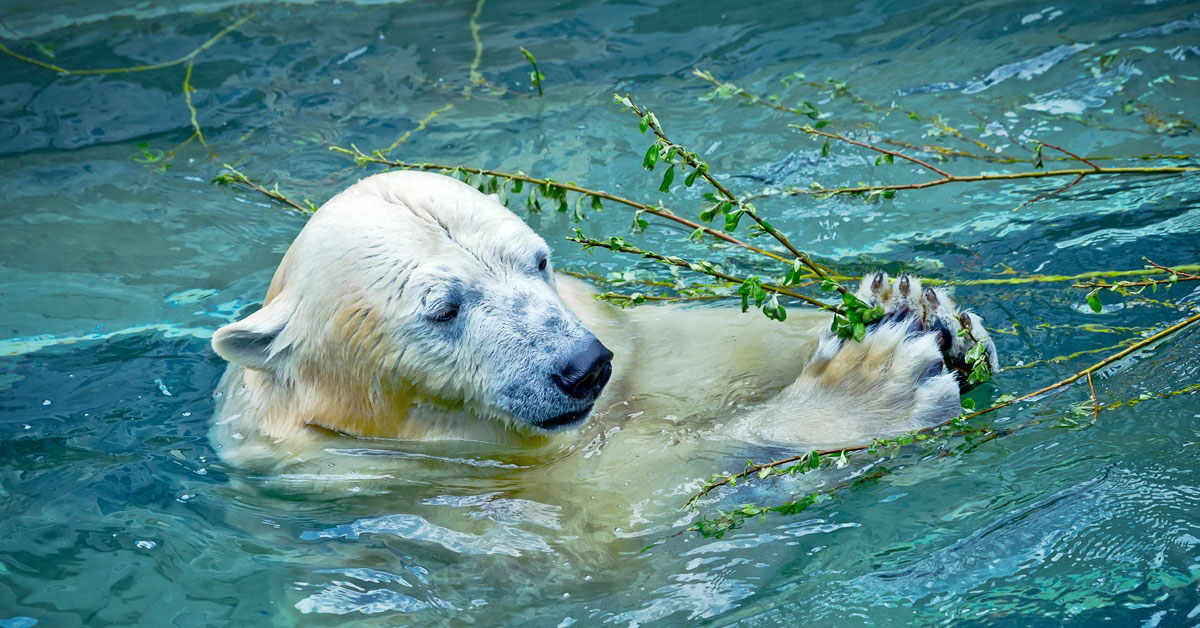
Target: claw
(933,370)
(897,314)
(944,339)
(965,321)
(877,282)
(931,298)
(915,327)
(903,283)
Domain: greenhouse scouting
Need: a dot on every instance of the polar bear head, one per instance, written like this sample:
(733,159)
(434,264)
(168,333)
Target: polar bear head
(411,289)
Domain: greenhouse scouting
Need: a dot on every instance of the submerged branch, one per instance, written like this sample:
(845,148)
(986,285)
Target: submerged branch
(1077,173)
(137,68)
(840,89)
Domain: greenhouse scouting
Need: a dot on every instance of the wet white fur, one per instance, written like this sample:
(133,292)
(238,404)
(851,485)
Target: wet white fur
(351,350)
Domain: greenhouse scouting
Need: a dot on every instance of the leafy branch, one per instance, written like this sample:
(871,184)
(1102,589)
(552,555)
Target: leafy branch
(137,68)
(552,189)
(232,176)
(751,288)
(730,205)
(535,77)
(1126,288)
(888,156)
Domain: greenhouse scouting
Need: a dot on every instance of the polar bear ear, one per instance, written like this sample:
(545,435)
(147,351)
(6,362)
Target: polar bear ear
(253,342)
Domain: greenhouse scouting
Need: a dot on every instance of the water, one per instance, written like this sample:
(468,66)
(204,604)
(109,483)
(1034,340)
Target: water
(116,510)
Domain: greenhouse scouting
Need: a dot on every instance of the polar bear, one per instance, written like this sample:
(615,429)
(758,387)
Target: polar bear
(414,309)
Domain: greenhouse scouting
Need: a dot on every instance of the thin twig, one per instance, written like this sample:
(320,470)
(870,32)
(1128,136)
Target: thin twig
(1003,176)
(951,178)
(1175,276)
(1069,153)
(808,128)
(187,97)
(137,68)
(1095,402)
(234,176)
(1049,194)
(420,127)
(1173,271)
(942,151)
(1054,278)
(837,89)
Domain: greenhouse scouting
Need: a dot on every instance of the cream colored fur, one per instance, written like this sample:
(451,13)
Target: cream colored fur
(340,368)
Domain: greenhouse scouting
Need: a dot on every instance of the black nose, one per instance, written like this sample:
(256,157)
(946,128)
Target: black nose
(586,373)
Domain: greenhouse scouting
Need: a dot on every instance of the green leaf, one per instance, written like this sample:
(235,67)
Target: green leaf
(651,158)
(860,332)
(809,110)
(732,219)
(1037,157)
(1093,299)
(825,149)
(668,177)
(697,235)
(644,124)
(517,185)
(691,178)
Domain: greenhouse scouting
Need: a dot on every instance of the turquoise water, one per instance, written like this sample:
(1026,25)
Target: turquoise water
(120,258)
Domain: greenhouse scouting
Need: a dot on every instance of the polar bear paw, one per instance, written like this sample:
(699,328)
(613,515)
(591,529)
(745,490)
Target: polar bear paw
(907,372)
(959,334)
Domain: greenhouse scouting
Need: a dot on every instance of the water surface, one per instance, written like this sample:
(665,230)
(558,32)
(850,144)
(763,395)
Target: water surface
(120,258)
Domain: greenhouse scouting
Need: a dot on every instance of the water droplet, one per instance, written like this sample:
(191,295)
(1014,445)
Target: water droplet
(146,545)
(46,402)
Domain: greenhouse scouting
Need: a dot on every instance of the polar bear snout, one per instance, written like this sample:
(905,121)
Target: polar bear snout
(584,375)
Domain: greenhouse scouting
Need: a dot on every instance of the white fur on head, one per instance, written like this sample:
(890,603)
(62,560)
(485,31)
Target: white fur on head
(355,311)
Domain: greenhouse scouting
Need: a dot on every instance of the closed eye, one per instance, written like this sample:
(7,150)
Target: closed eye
(445,314)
